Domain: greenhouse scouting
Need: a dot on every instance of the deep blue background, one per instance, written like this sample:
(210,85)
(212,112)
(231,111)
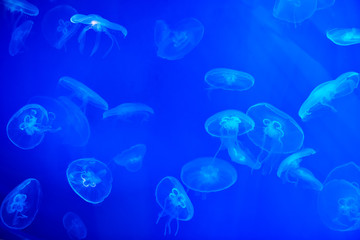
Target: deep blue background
(287,62)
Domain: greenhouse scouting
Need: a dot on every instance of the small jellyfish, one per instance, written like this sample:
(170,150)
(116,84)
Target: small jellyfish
(90,179)
(21,6)
(290,171)
(20,206)
(57,27)
(177,41)
(344,36)
(74,226)
(98,24)
(294,11)
(175,203)
(321,4)
(19,36)
(323,94)
(83,92)
(208,175)
(132,111)
(228,79)
(131,158)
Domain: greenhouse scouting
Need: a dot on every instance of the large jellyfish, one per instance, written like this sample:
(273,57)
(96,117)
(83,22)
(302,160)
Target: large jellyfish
(294,11)
(323,94)
(74,226)
(344,36)
(274,132)
(229,79)
(21,6)
(90,179)
(21,205)
(128,111)
(208,175)
(176,41)
(175,203)
(131,158)
(290,171)
(98,24)
(19,36)
(57,27)
(339,201)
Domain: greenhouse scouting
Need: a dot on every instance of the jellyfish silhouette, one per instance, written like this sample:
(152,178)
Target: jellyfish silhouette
(74,226)
(176,41)
(229,79)
(290,171)
(131,158)
(294,11)
(325,93)
(21,6)
(175,203)
(321,4)
(20,206)
(208,175)
(344,36)
(19,36)
(98,24)
(90,179)
(57,27)
(130,111)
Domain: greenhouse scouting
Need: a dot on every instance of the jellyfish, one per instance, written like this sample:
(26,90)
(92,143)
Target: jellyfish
(349,171)
(290,171)
(19,36)
(175,203)
(74,226)
(131,158)
(57,27)
(294,11)
(321,4)
(20,206)
(21,6)
(176,41)
(323,94)
(344,36)
(98,24)
(208,175)
(275,132)
(228,79)
(90,179)
(128,111)
(83,92)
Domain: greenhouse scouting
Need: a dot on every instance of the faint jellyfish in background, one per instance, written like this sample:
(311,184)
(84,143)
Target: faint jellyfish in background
(344,36)
(57,27)
(21,205)
(208,175)
(21,6)
(130,111)
(321,4)
(74,226)
(19,36)
(290,171)
(174,42)
(229,79)
(326,92)
(294,11)
(175,203)
(131,158)
(90,179)
(275,132)
(98,24)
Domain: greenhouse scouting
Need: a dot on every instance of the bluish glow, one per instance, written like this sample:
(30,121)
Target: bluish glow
(321,4)
(344,36)
(131,158)
(21,6)
(19,36)
(74,226)
(130,111)
(294,11)
(229,79)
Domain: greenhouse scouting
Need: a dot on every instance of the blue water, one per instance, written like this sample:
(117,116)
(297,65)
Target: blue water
(287,61)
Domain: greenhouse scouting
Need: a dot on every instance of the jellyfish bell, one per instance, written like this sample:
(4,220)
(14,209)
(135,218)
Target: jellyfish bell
(344,36)
(131,158)
(349,171)
(19,36)
(21,6)
(74,226)
(294,11)
(130,111)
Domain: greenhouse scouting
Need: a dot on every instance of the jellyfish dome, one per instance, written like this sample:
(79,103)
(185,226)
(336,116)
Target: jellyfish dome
(229,79)
(20,206)
(208,175)
(90,179)
(294,11)
(132,158)
(129,111)
(175,203)
(74,226)
(21,6)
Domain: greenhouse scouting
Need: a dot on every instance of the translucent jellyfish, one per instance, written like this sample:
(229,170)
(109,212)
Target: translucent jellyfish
(131,158)
(175,203)
(294,11)
(19,36)
(228,79)
(344,36)
(323,94)
(57,27)
(98,24)
(133,111)
(321,4)
(74,226)
(208,175)
(290,171)
(90,179)
(20,206)
(83,92)
(349,171)
(176,41)
(21,6)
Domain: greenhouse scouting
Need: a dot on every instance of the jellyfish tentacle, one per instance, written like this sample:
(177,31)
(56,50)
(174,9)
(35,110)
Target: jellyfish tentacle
(97,43)
(113,39)
(82,37)
(177,227)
